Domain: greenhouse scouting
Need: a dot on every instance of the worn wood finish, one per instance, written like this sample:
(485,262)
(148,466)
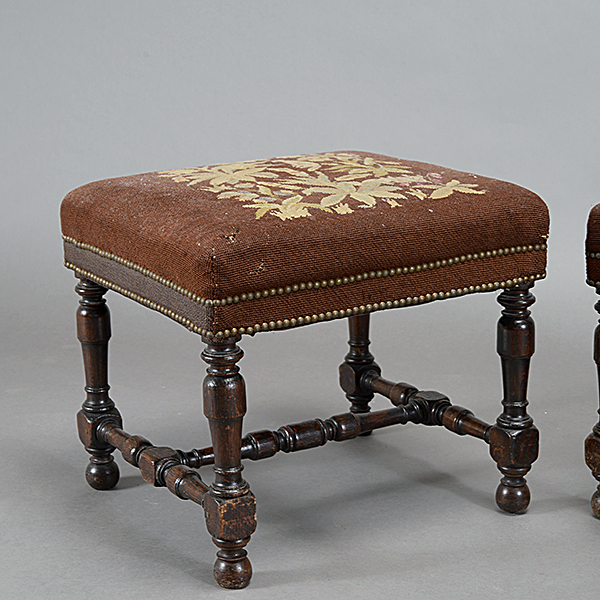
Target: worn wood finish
(514,440)
(592,443)
(93,331)
(230,506)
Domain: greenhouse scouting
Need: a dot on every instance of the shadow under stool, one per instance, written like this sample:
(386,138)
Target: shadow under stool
(592,443)
(239,249)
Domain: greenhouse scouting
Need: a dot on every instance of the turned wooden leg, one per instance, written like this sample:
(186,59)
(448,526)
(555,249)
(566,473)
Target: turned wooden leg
(230,506)
(592,443)
(514,441)
(93,331)
(356,363)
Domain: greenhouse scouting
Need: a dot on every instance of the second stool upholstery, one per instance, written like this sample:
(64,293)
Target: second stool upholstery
(592,443)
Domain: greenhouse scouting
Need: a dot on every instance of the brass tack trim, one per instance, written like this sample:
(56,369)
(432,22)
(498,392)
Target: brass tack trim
(592,254)
(337,314)
(305,320)
(149,303)
(309,285)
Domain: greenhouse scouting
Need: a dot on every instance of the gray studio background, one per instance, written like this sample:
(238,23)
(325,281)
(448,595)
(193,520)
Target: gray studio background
(91,90)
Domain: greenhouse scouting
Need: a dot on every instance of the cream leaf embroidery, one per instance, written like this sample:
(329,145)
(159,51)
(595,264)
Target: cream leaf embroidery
(454,186)
(366,192)
(219,175)
(369,168)
(342,209)
(292,187)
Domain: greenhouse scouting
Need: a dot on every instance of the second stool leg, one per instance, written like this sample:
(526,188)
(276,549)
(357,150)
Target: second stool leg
(514,440)
(592,443)
(230,507)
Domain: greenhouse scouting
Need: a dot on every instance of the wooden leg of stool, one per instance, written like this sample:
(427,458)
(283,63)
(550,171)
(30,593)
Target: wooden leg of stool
(356,363)
(93,331)
(230,506)
(592,443)
(514,440)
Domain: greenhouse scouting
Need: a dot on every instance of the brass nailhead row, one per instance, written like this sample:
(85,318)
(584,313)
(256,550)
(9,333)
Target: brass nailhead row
(591,281)
(289,323)
(308,285)
(127,263)
(153,305)
(337,314)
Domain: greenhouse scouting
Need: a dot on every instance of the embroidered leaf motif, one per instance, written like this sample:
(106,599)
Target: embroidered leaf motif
(454,186)
(343,209)
(291,187)
(263,210)
(419,194)
(353,169)
(231,174)
(366,192)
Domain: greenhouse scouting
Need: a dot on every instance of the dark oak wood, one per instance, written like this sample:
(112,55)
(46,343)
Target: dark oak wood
(93,331)
(514,440)
(397,393)
(435,408)
(228,503)
(310,434)
(358,360)
(429,408)
(230,506)
(160,466)
(592,443)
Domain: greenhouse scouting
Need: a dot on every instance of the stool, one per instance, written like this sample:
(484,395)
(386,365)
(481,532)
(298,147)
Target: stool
(238,249)
(592,443)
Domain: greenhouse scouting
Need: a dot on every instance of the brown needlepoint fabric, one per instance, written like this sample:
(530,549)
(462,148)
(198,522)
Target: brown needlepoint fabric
(274,243)
(592,247)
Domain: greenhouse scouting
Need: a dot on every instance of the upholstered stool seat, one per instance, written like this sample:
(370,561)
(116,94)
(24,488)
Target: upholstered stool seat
(236,249)
(592,443)
(267,244)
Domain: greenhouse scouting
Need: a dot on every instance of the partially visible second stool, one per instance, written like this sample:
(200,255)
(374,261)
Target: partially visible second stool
(261,246)
(592,443)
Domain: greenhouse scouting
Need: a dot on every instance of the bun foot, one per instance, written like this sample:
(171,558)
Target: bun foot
(232,574)
(513,495)
(595,503)
(102,475)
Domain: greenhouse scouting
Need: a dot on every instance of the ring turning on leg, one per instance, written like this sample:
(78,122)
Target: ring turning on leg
(356,363)
(93,331)
(230,507)
(514,440)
